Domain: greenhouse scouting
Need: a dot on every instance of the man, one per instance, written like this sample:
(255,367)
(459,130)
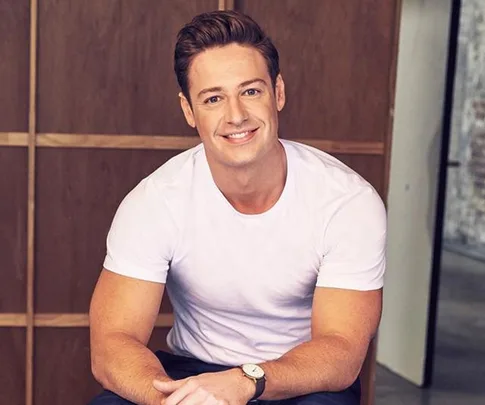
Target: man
(272,252)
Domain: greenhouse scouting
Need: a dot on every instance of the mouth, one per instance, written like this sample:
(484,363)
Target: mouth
(240,137)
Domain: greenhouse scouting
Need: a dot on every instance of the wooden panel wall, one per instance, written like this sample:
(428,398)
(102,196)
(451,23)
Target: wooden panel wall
(338,82)
(120,56)
(74,214)
(14,84)
(12,370)
(94,109)
(13,225)
(14,75)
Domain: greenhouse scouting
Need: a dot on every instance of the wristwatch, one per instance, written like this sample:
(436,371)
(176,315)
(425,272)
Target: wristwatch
(255,373)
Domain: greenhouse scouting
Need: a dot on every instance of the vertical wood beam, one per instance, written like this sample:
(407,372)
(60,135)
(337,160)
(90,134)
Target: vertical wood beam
(29,352)
(371,359)
(392,96)
(226,5)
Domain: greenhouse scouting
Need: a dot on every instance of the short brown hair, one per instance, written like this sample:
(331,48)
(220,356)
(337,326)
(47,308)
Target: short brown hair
(219,28)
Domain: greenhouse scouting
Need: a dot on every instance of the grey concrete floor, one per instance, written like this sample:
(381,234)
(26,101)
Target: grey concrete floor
(459,363)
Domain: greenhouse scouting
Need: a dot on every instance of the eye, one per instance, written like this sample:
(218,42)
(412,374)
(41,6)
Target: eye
(212,100)
(252,92)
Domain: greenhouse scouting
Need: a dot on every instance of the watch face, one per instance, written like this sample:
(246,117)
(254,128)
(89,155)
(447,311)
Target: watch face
(253,370)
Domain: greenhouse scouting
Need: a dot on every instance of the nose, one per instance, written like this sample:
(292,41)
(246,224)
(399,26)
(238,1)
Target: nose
(236,113)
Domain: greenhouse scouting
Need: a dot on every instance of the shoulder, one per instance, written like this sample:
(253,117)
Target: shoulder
(176,169)
(319,172)
(169,183)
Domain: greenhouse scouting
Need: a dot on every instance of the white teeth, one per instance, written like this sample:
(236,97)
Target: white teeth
(238,136)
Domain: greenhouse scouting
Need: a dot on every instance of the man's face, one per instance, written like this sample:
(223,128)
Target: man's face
(234,106)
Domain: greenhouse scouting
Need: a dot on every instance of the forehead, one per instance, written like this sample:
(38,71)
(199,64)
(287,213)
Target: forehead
(226,66)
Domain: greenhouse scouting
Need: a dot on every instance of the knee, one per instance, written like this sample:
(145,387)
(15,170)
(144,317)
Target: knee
(109,398)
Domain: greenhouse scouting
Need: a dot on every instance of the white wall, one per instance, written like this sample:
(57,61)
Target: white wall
(422,62)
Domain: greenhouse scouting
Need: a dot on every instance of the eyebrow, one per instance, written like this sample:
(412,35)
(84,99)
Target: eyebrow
(241,85)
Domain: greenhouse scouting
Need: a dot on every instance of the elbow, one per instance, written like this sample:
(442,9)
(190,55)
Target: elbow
(349,382)
(99,372)
(342,379)
(340,384)
(348,379)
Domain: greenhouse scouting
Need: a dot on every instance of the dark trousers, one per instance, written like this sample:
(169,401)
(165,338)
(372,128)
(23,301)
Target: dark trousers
(178,367)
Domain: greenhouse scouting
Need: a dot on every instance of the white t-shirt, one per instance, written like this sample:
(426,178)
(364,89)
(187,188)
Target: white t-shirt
(241,285)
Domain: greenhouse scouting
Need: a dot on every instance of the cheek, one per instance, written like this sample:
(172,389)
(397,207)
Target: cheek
(267,113)
(263,111)
(207,122)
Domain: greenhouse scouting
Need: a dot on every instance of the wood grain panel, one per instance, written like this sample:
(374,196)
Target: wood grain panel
(335,57)
(13,228)
(107,66)
(14,66)
(62,365)
(369,167)
(81,189)
(62,371)
(12,366)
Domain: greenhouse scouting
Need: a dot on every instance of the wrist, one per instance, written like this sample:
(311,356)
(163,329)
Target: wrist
(256,374)
(246,386)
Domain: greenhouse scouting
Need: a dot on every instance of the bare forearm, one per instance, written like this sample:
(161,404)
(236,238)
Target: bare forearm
(127,367)
(327,364)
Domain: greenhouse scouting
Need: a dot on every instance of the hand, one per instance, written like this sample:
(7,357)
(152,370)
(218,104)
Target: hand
(229,387)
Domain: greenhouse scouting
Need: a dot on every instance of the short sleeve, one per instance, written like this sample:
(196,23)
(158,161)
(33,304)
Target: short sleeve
(140,240)
(355,244)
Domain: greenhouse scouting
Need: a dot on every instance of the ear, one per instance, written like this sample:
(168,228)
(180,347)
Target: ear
(187,109)
(280,92)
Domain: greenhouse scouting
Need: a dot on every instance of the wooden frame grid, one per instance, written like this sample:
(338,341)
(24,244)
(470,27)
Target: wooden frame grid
(32,140)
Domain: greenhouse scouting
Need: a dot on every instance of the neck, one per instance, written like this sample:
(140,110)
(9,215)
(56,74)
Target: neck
(254,189)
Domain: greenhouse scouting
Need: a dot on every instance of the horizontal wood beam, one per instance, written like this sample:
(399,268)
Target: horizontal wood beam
(61,320)
(117,141)
(13,320)
(168,142)
(65,320)
(14,138)
(345,147)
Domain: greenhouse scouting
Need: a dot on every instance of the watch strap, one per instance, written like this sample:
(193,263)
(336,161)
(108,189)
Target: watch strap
(260,385)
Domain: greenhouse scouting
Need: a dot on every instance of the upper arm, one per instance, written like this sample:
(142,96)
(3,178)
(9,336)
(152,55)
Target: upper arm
(351,314)
(348,295)
(129,291)
(125,305)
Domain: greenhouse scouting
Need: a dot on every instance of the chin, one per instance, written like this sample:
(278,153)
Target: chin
(238,163)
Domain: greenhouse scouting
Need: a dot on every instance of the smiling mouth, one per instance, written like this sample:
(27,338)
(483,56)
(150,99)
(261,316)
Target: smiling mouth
(239,137)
